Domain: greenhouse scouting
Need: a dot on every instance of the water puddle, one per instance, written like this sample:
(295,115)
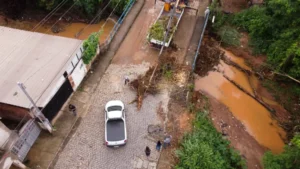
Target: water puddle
(254,116)
(74,29)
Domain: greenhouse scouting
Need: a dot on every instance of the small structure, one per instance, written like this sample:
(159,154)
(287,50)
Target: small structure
(8,140)
(51,68)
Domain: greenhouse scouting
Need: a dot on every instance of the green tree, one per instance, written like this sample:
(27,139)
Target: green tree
(289,159)
(274,30)
(90,7)
(48,4)
(90,47)
(121,5)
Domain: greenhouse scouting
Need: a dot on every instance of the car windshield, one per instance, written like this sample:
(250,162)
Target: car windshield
(114,108)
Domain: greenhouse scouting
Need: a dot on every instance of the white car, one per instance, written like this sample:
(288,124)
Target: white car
(115,124)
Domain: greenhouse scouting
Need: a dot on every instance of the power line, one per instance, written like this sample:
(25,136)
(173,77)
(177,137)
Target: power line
(100,13)
(47,17)
(31,34)
(110,15)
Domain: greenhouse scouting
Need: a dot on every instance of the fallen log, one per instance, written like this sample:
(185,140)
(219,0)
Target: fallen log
(230,62)
(249,94)
(285,75)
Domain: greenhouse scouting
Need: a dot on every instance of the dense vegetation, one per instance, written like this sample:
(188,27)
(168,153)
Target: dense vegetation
(84,8)
(90,7)
(119,4)
(289,159)
(274,30)
(205,148)
(90,47)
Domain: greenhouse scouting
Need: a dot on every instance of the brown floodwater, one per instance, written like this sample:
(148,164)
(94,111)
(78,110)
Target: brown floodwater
(70,30)
(256,119)
(75,30)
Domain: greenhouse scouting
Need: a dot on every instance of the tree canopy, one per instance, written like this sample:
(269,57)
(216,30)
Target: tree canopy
(289,159)
(88,6)
(274,30)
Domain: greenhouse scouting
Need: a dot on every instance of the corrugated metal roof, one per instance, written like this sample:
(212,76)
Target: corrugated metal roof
(34,62)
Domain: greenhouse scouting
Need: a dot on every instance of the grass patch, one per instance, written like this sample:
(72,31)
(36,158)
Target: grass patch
(205,148)
(229,35)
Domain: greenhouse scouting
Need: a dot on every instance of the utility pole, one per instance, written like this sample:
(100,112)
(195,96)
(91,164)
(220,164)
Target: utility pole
(168,27)
(36,111)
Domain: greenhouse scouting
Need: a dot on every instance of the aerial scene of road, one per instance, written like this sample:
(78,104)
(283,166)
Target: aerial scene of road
(149,84)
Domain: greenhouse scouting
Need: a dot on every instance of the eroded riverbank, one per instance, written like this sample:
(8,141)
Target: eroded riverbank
(254,116)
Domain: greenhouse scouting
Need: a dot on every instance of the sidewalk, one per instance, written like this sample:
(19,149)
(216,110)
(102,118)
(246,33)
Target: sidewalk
(44,152)
(197,33)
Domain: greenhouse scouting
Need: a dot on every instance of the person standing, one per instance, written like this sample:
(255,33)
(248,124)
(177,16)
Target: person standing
(72,109)
(147,151)
(158,145)
(126,80)
(167,141)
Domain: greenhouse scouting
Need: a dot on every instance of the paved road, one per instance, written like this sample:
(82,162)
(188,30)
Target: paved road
(86,148)
(135,48)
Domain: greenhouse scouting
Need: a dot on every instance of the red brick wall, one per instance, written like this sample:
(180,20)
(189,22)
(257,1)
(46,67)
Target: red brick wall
(13,112)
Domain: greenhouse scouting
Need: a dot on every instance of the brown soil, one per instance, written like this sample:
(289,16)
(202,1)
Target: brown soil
(209,56)
(245,51)
(235,132)
(179,122)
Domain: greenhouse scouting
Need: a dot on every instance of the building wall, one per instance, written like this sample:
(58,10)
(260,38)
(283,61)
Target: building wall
(68,69)
(14,113)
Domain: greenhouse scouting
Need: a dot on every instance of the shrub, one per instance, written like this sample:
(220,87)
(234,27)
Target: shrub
(90,47)
(205,148)
(289,159)
(121,5)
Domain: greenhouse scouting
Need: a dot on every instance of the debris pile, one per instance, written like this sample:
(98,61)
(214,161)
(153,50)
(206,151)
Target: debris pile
(148,82)
(209,56)
(157,30)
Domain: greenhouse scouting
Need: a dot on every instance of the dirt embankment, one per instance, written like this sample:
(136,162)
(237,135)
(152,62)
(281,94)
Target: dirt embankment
(208,56)
(224,120)
(268,86)
(233,130)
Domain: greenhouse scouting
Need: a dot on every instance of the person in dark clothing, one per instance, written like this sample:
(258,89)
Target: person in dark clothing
(126,80)
(147,151)
(72,109)
(158,146)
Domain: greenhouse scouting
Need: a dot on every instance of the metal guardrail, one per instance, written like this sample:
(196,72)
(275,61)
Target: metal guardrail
(119,23)
(207,12)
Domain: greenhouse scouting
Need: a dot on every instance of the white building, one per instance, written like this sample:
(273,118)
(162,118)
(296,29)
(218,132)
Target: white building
(49,66)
